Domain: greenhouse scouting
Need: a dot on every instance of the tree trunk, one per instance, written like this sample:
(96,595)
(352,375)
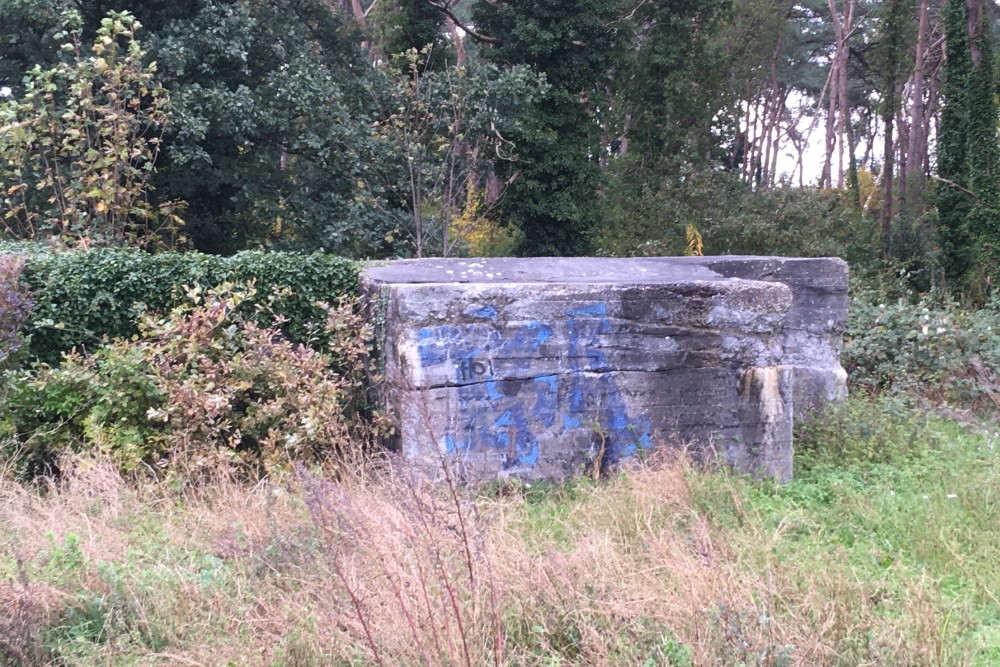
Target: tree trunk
(359,13)
(825,180)
(902,131)
(975,30)
(777,137)
(838,101)
(871,123)
(753,113)
(888,152)
(776,102)
(931,109)
(852,165)
(844,103)
(917,143)
(456,39)
(623,141)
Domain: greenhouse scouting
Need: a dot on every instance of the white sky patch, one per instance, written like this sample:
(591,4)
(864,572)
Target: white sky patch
(811,127)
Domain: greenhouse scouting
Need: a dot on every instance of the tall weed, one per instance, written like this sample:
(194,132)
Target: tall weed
(880,563)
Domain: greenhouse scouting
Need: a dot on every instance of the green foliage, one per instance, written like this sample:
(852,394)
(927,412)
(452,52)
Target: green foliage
(26,37)
(733,219)
(984,159)
(77,148)
(84,299)
(402,25)
(49,412)
(82,622)
(553,199)
(676,87)
(87,620)
(271,140)
(891,62)
(448,127)
(952,200)
(663,565)
(968,196)
(198,391)
(882,430)
(890,495)
(560,641)
(286,134)
(680,114)
(930,348)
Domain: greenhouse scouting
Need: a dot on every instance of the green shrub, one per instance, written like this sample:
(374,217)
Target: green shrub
(84,299)
(885,429)
(200,390)
(932,348)
(734,220)
(78,145)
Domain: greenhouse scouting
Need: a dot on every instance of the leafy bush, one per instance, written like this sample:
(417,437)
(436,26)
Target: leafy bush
(78,146)
(931,347)
(881,430)
(733,219)
(83,299)
(200,390)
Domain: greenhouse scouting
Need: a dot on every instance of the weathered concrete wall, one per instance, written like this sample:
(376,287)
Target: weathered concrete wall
(539,367)
(814,328)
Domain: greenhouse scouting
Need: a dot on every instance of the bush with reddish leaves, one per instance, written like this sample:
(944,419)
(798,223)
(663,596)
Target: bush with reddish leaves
(15,306)
(200,390)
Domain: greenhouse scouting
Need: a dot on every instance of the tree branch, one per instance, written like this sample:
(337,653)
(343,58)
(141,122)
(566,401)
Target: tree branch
(956,185)
(445,8)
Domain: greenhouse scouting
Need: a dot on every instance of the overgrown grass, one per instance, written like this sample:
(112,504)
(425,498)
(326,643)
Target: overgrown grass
(885,550)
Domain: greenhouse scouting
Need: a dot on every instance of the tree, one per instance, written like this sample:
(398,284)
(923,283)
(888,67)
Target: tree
(968,154)
(918,126)
(983,147)
(402,25)
(892,52)
(675,84)
(679,96)
(79,142)
(272,140)
(447,128)
(272,105)
(26,31)
(576,44)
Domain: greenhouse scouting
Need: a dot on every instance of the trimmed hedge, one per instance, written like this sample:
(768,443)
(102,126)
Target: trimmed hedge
(83,299)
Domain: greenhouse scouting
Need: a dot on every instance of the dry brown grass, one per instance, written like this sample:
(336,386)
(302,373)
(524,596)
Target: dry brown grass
(384,569)
(641,552)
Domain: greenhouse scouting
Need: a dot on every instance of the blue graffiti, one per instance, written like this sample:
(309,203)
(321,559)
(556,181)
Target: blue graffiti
(487,312)
(592,382)
(503,412)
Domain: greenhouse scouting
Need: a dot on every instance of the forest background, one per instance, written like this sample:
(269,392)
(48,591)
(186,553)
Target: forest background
(414,127)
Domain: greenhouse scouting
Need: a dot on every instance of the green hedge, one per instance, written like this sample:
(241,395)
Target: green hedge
(84,298)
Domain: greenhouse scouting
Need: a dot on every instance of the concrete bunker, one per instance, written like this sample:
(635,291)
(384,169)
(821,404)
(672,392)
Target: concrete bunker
(536,368)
